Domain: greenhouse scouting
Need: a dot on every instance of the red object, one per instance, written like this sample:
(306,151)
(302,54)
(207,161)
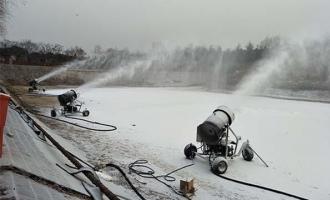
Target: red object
(4,99)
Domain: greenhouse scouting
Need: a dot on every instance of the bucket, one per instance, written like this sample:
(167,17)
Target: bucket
(4,99)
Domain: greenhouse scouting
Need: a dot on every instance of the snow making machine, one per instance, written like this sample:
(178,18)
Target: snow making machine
(70,104)
(216,144)
(34,86)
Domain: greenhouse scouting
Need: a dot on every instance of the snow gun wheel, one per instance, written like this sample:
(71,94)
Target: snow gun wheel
(85,113)
(53,113)
(247,153)
(219,165)
(190,151)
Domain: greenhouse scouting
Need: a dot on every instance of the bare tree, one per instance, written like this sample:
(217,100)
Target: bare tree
(98,49)
(28,45)
(76,51)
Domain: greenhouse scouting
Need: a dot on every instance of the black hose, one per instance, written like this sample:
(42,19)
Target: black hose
(149,173)
(261,187)
(81,160)
(112,127)
(126,178)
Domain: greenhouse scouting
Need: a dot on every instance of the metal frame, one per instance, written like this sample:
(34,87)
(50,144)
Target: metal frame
(235,153)
(75,103)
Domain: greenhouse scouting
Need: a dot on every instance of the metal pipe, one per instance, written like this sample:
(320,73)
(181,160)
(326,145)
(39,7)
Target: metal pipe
(259,156)
(231,130)
(226,141)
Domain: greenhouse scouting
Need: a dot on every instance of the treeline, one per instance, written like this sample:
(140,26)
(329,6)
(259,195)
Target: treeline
(190,65)
(27,52)
(215,67)
(110,58)
(305,66)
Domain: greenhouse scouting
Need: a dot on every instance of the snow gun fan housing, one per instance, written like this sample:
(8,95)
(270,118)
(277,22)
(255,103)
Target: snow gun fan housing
(70,104)
(67,98)
(213,134)
(214,127)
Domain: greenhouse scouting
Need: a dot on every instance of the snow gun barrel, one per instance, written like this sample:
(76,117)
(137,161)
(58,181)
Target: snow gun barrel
(67,98)
(213,128)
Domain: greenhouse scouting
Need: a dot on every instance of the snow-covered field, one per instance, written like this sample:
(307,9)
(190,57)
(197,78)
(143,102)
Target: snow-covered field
(156,124)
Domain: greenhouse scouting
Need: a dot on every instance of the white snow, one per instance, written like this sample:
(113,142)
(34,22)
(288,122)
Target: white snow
(157,123)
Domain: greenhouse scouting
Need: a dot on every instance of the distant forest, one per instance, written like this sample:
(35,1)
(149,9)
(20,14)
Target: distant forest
(27,52)
(237,61)
(306,64)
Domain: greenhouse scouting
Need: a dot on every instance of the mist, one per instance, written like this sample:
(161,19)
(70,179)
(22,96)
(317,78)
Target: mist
(138,24)
(273,66)
(292,66)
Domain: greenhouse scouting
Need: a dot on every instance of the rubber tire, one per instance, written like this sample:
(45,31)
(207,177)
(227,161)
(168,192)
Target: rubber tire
(247,153)
(85,113)
(53,113)
(190,151)
(219,165)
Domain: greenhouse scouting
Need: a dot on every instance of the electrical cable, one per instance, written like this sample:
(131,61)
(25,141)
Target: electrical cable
(148,172)
(112,127)
(27,119)
(126,178)
(260,187)
(81,160)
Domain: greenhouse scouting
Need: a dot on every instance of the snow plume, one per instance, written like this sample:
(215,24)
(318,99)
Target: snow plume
(161,66)
(96,61)
(129,69)
(259,78)
(59,70)
(115,73)
(291,66)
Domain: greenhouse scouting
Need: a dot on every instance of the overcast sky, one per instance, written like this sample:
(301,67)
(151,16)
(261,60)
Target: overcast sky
(137,24)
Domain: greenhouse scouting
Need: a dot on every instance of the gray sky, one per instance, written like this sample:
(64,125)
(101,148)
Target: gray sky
(137,23)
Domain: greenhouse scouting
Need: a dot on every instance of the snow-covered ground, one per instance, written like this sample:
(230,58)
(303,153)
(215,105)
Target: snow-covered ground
(156,124)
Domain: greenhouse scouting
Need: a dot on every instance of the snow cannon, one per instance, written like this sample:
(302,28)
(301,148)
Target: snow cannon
(67,98)
(214,127)
(34,86)
(70,104)
(217,145)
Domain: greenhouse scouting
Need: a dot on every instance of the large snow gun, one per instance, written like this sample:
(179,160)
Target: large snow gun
(70,104)
(35,86)
(216,146)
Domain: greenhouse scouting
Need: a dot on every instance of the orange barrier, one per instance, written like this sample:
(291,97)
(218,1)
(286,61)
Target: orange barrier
(4,99)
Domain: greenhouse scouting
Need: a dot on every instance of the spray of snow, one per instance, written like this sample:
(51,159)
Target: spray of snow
(299,66)
(218,77)
(60,70)
(164,66)
(131,71)
(90,62)
(258,79)
(113,74)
